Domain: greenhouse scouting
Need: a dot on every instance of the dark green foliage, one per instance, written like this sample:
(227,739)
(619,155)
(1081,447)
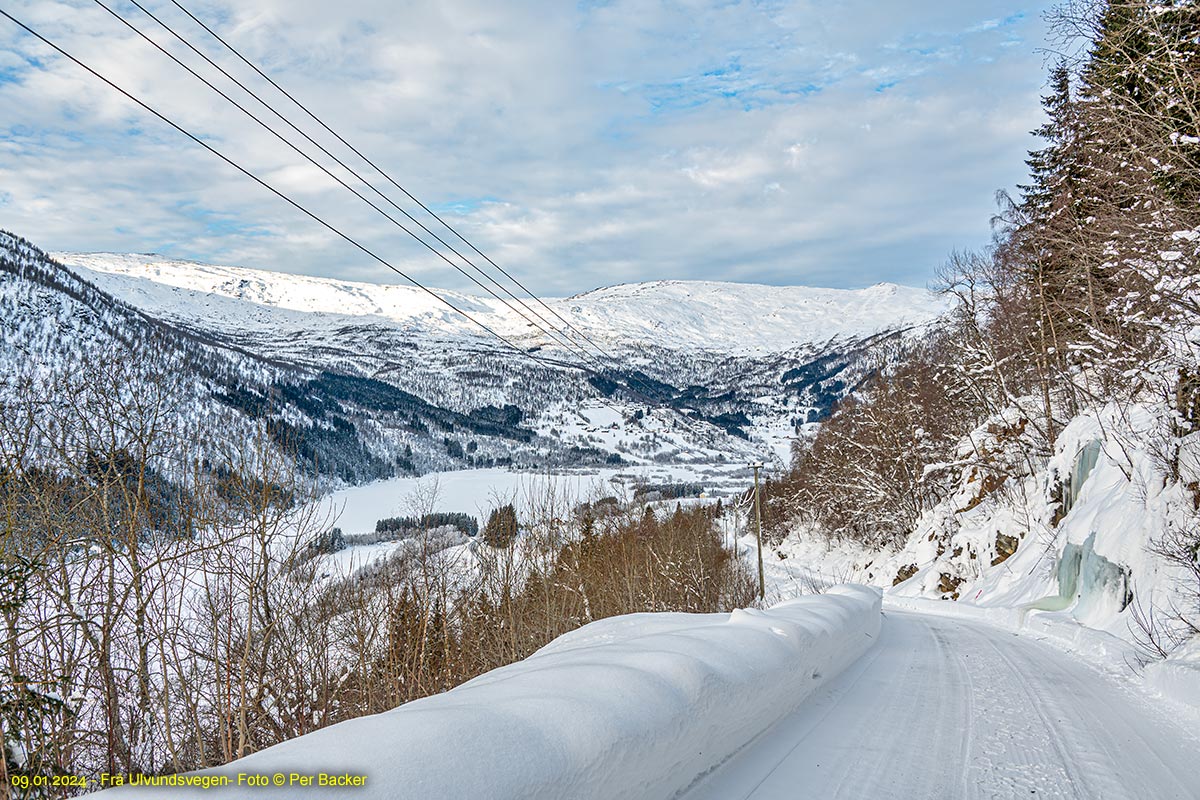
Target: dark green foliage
(137,487)
(669,491)
(603,385)
(331,541)
(332,443)
(335,450)
(509,416)
(243,490)
(457,519)
(501,528)
(733,423)
(1083,300)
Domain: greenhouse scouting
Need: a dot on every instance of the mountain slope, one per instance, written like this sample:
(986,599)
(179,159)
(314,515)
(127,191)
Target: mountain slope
(369,380)
(758,362)
(66,340)
(698,315)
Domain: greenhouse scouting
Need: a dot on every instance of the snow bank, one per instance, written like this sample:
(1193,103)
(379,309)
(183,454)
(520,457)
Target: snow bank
(1178,677)
(637,706)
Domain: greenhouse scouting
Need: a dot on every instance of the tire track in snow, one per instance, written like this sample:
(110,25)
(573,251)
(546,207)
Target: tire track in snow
(1089,724)
(944,709)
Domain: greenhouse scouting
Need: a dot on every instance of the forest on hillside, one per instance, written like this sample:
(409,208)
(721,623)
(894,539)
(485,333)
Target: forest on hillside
(1086,303)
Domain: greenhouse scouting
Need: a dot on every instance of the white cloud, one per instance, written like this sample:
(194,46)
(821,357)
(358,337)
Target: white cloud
(578,145)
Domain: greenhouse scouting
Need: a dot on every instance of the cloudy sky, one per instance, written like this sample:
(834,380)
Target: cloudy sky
(576,143)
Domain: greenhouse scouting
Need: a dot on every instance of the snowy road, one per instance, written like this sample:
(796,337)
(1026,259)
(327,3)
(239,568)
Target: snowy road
(945,709)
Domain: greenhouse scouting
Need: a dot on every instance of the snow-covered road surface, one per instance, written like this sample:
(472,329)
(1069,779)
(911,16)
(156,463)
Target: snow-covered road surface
(943,708)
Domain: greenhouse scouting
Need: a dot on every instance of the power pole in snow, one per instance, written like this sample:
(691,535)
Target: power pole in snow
(762,588)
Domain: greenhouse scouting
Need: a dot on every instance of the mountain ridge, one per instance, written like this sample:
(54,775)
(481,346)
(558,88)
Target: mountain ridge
(381,379)
(722,316)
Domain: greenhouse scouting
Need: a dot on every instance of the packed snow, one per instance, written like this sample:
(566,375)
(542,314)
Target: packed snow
(945,707)
(638,706)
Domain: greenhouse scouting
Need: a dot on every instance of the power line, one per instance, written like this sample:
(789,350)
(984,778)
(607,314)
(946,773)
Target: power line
(304,210)
(383,173)
(647,390)
(552,335)
(311,215)
(345,166)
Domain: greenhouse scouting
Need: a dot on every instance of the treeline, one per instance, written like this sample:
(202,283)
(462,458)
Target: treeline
(1085,299)
(669,491)
(410,525)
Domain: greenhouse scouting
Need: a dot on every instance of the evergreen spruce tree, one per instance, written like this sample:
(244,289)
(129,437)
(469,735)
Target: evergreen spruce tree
(501,527)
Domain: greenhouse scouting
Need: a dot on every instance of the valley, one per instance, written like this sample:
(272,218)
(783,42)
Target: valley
(381,380)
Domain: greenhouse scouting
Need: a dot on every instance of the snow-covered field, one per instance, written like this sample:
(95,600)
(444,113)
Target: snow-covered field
(356,510)
(477,491)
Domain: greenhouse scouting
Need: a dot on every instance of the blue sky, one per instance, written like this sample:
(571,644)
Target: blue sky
(577,144)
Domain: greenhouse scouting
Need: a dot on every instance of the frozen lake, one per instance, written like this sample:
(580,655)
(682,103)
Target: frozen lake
(477,491)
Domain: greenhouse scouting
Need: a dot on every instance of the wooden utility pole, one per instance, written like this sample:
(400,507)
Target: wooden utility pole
(762,588)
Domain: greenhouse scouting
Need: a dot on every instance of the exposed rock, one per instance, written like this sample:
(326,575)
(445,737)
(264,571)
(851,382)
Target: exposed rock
(949,585)
(904,574)
(989,484)
(1005,547)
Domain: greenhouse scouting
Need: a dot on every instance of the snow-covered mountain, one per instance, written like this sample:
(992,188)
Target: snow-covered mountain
(381,379)
(733,318)
(758,361)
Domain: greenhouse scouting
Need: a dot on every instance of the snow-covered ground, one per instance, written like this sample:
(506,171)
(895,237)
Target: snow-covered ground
(1085,576)
(478,491)
(641,706)
(357,509)
(819,696)
(754,361)
(948,708)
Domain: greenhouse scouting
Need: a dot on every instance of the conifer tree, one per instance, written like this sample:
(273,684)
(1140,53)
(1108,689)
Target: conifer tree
(501,528)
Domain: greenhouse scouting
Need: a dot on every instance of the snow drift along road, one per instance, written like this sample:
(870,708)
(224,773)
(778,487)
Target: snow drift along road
(635,706)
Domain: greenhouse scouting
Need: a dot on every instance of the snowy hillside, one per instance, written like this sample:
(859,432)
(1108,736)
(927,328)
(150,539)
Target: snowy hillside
(750,365)
(1089,549)
(64,335)
(695,315)
(62,338)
